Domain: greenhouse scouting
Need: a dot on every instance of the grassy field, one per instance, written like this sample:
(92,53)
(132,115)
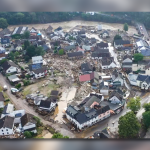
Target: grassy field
(33,88)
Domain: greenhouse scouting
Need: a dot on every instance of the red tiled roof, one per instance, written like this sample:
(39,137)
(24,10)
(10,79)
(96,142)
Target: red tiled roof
(86,77)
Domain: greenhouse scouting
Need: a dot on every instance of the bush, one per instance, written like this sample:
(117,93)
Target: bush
(61,52)
(18,86)
(7,100)
(27,76)
(38,121)
(28,134)
(1,110)
(26,82)
(51,130)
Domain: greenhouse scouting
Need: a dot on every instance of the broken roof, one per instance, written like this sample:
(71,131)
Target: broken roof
(40,70)
(75,54)
(9,108)
(121,42)
(107,61)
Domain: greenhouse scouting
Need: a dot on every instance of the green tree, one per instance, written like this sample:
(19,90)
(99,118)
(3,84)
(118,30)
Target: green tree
(61,52)
(31,51)
(117,37)
(19,16)
(128,126)
(16,54)
(146,106)
(26,44)
(11,56)
(138,57)
(39,51)
(134,104)
(59,136)
(27,134)
(26,34)
(125,27)
(146,119)
(3,23)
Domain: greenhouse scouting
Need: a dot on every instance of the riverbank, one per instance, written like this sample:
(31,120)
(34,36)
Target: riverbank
(67,25)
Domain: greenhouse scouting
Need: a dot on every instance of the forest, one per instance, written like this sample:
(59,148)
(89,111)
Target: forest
(18,18)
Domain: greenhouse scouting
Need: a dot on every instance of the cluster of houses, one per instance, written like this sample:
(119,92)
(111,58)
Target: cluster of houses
(15,121)
(94,108)
(109,97)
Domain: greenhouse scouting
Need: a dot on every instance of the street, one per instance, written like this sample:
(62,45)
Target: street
(22,104)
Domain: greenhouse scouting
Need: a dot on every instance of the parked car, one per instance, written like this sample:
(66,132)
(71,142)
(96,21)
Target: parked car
(14,90)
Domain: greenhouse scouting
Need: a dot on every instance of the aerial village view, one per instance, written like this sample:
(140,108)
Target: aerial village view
(76,78)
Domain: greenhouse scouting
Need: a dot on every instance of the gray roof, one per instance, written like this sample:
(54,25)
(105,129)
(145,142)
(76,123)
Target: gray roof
(107,61)
(116,93)
(91,100)
(7,122)
(103,86)
(12,77)
(70,47)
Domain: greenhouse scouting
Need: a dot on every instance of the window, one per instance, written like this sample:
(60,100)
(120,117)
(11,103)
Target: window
(7,133)
(6,129)
(2,130)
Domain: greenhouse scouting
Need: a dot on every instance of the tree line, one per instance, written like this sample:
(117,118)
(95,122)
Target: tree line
(18,18)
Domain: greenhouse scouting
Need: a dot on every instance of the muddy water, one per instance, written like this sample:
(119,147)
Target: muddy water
(70,24)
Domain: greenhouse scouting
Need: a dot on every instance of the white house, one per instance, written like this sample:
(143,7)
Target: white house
(2,99)
(141,45)
(108,62)
(104,88)
(40,73)
(6,126)
(143,81)
(116,97)
(17,114)
(28,123)
(33,30)
(117,77)
(37,60)
(10,67)
(105,34)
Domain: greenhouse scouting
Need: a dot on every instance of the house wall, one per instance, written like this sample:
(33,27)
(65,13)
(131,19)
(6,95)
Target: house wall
(147,72)
(37,61)
(1,104)
(104,92)
(6,131)
(40,75)
(11,69)
(114,100)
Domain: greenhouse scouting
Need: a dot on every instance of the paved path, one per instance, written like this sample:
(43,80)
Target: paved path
(22,104)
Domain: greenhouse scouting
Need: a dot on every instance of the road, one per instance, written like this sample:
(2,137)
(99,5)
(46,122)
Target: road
(22,104)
